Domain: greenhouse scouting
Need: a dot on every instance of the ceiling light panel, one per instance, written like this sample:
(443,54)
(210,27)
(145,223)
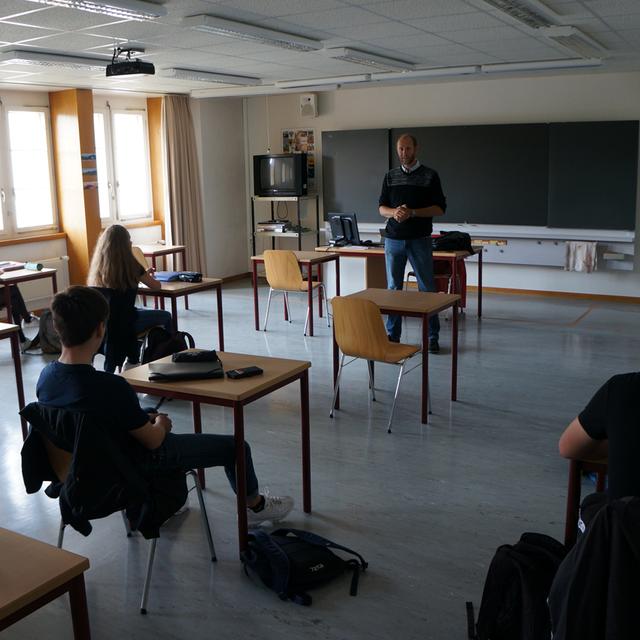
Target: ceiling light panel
(123,9)
(317,82)
(250,33)
(574,40)
(521,12)
(209,76)
(541,65)
(52,60)
(367,59)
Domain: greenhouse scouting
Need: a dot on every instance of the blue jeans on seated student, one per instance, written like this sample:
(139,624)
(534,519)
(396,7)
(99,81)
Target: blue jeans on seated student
(202,450)
(419,253)
(147,318)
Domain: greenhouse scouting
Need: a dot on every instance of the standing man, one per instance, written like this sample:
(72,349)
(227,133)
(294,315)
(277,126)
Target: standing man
(411,196)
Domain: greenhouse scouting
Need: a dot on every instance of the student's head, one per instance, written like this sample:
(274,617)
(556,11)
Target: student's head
(407,147)
(78,312)
(113,265)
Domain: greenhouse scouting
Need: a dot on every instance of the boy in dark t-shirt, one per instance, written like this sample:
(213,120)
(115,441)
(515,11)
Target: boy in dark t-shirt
(609,427)
(79,315)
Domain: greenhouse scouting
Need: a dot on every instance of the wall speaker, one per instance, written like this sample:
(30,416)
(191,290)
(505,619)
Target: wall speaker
(308,105)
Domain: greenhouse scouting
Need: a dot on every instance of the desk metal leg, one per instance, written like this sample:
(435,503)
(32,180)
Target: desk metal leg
(220,320)
(336,365)
(319,298)
(310,301)
(7,303)
(254,279)
(425,369)
(184,268)
(79,611)
(480,283)
(306,442)
(241,475)
(15,354)
(454,353)
(174,312)
(337,276)
(154,264)
(197,428)
(54,283)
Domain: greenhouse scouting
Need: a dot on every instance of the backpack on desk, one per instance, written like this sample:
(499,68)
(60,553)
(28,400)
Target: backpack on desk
(291,561)
(160,343)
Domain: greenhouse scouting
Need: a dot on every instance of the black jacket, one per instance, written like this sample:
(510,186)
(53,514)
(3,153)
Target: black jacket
(103,478)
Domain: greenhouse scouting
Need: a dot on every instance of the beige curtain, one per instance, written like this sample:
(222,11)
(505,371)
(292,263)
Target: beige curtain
(185,194)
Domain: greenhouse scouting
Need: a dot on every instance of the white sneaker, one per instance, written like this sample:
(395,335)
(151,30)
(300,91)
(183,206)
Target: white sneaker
(276,508)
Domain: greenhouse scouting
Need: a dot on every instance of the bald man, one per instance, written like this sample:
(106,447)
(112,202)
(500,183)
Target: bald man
(411,197)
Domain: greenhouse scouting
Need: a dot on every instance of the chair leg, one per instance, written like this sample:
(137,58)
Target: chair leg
(127,524)
(324,296)
(395,397)
(306,322)
(61,533)
(266,316)
(147,580)
(286,304)
(335,389)
(203,512)
(371,380)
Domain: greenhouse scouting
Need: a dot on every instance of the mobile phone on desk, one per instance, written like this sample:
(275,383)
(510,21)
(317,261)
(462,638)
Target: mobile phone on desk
(245,372)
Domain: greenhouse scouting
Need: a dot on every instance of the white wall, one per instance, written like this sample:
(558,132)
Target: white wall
(551,98)
(219,131)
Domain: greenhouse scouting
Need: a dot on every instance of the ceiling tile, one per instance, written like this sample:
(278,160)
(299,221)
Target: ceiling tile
(345,17)
(72,42)
(606,8)
(442,24)
(486,35)
(409,9)
(10,32)
(64,19)
(282,8)
(367,32)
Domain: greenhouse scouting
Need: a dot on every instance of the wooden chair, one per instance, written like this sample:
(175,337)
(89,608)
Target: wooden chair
(576,468)
(283,274)
(37,573)
(360,333)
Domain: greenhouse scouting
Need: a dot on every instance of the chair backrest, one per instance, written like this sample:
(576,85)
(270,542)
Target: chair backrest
(140,257)
(283,270)
(359,329)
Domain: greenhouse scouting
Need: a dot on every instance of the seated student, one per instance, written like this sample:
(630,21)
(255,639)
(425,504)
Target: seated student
(71,382)
(113,266)
(607,428)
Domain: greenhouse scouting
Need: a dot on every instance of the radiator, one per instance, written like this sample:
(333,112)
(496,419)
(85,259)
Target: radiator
(38,293)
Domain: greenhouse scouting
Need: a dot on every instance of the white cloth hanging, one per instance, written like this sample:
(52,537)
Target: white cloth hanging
(581,256)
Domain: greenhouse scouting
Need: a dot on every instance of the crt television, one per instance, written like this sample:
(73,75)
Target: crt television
(283,174)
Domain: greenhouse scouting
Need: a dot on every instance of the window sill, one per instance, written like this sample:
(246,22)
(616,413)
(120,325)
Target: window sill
(7,242)
(135,225)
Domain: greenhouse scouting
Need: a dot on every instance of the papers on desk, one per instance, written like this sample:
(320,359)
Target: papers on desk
(10,265)
(358,247)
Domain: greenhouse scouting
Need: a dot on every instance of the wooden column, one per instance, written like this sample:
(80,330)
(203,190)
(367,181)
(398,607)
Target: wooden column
(78,207)
(156,155)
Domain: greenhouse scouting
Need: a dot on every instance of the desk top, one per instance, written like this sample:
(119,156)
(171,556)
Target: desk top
(307,257)
(8,329)
(276,371)
(408,302)
(160,249)
(179,288)
(21,275)
(364,251)
(29,569)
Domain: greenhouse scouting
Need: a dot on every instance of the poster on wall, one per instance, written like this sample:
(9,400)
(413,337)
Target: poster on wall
(302,141)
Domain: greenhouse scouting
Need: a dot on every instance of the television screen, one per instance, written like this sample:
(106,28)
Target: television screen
(278,173)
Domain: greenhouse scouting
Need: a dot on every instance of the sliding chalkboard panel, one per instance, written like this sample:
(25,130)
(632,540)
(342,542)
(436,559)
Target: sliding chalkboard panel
(593,168)
(491,174)
(353,165)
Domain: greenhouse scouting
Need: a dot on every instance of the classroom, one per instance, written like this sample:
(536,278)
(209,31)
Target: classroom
(526,110)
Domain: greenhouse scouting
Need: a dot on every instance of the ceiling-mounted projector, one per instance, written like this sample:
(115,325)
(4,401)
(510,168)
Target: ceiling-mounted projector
(125,66)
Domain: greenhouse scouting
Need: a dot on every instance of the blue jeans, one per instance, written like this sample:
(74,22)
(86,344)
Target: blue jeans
(419,253)
(147,318)
(202,450)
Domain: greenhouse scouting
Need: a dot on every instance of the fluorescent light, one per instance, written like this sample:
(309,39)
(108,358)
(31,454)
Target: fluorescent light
(367,59)
(250,32)
(574,40)
(435,72)
(208,76)
(126,9)
(541,65)
(522,12)
(57,60)
(317,82)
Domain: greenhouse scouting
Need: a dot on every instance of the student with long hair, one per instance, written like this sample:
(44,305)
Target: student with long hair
(114,266)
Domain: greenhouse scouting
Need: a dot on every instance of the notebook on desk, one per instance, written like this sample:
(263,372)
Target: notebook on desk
(174,371)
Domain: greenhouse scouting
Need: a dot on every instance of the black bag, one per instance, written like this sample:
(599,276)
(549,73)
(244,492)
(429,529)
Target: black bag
(290,561)
(200,355)
(453,241)
(514,599)
(47,338)
(160,343)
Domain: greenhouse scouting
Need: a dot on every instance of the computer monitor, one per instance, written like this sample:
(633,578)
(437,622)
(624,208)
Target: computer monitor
(344,229)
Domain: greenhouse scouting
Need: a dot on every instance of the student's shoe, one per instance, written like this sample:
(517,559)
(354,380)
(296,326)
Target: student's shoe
(275,508)
(434,347)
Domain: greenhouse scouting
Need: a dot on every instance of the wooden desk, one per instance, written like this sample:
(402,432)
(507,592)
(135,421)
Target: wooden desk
(376,273)
(305,259)
(11,331)
(174,290)
(417,304)
(24,275)
(155,251)
(33,574)
(236,394)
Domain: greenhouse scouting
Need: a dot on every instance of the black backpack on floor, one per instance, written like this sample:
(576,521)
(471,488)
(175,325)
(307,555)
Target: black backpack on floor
(159,343)
(291,561)
(452,241)
(514,600)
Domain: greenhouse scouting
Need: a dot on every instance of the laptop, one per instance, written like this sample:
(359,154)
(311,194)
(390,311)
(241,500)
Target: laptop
(173,371)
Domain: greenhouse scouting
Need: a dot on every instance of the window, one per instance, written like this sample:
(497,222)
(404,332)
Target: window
(26,179)
(122,159)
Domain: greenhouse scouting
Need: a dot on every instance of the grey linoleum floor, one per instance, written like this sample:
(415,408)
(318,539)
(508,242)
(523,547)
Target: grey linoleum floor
(427,506)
